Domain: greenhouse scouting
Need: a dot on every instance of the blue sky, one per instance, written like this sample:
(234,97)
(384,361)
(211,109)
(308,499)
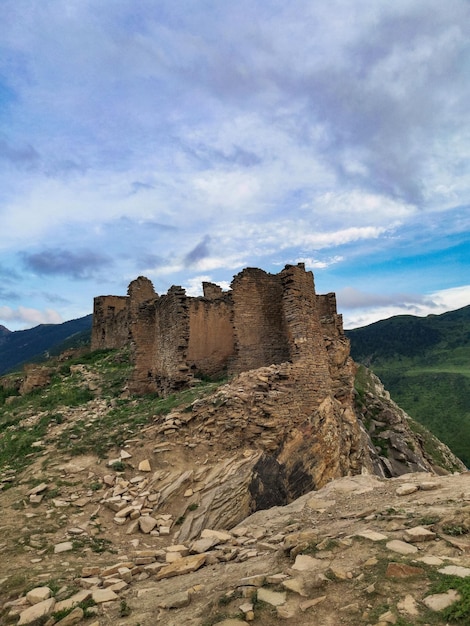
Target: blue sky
(187,140)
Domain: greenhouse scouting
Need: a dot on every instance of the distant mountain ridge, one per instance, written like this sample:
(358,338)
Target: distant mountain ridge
(425,364)
(22,346)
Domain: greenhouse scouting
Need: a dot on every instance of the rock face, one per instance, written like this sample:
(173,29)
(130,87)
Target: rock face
(291,419)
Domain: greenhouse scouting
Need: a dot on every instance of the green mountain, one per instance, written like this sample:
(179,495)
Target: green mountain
(425,364)
(34,344)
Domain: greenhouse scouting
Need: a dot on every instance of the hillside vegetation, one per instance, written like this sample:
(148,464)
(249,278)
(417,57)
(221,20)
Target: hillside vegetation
(112,506)
(425,364)
(36,344)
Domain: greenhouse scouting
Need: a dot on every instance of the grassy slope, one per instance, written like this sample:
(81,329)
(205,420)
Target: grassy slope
(69,402)
(425,364)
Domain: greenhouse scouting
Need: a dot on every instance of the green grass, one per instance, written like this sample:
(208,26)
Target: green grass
(32,417)
(425,365)
(459,612)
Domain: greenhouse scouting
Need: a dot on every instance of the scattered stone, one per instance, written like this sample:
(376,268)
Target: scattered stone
(339,573)
(185,565)
(388,618)
(75,616)
(275,598)
(103,595)
(430,560)
(405,490)
(440,601)
(286,611)
(295,585)
(203,545)
(144,466)
(147,523)
(455,570)
(401,547)
(304,563)
(308,604)
(429,486)
(80,596)
(401,570)
(38,489)
(65,546)
(408,606)
(222,537)
(90,571)
(37,611)
(36,498)
(372,535)
(38,595)
(418,534)
(81,502)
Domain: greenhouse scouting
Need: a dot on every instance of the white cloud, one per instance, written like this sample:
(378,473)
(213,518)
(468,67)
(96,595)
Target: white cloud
(29,317)
(361,308)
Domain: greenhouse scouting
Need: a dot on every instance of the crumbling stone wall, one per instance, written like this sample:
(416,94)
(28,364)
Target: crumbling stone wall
(211,338)
(259,324)
(263,319)
(110,322)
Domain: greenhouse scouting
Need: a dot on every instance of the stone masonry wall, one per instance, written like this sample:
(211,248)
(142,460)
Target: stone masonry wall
(264,319)
(110,322)
(259,325)
(170,370)
(211,340)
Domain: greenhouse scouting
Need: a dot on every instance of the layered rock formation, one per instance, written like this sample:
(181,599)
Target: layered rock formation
(291,415)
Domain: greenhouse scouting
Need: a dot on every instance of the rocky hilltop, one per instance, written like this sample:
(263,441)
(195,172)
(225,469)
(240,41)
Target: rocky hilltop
(295,489)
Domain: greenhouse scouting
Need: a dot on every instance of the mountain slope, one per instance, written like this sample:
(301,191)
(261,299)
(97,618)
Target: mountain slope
(425,364)
(141,493)
(23,346)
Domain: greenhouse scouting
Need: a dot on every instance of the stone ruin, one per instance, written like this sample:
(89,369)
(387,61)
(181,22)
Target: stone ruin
(263,319)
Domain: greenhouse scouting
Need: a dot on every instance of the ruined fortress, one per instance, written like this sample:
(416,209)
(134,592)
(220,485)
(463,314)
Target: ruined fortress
(263,319)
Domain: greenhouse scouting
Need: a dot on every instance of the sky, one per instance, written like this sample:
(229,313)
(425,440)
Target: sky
(185,141)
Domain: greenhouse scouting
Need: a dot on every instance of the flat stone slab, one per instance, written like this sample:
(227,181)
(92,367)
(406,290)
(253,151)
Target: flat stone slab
(440,601)
(401,547)
(185,565)
(65,546)
(406,490)
(74,617)
(38,594)
(306,563)
(402,570)
(428,485)
(418,534)
(274,598)
(69,603)
(372,535)
(35,612)
(208,533)
(295,585)
(430,560)
(455,570)
(103,595)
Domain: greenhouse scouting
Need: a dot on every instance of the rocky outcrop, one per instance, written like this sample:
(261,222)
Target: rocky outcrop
(35,377)
(399,444)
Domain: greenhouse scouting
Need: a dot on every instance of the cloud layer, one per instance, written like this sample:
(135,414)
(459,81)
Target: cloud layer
(180,139)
